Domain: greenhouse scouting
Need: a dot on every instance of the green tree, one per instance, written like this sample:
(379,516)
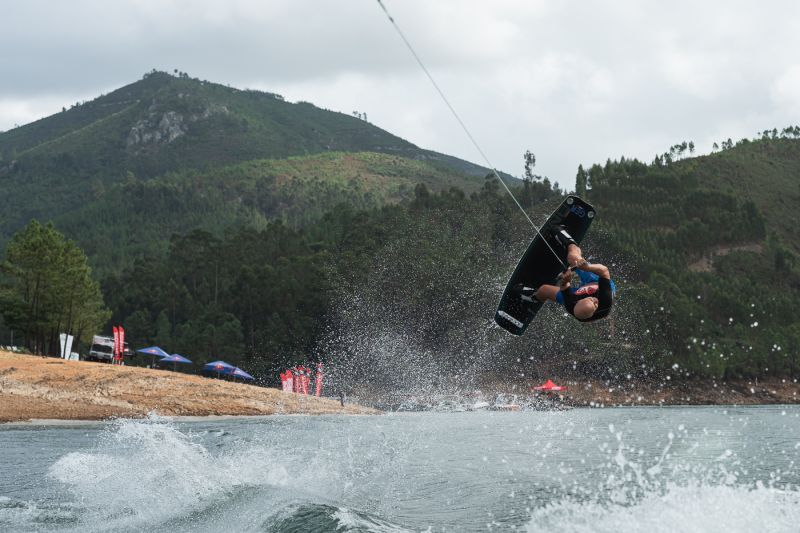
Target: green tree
(530,162)
(46,288)
(580,182)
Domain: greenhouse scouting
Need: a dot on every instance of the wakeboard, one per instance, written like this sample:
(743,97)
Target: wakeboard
(539,265)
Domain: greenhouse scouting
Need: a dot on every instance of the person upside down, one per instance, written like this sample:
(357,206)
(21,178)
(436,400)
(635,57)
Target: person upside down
(594,296)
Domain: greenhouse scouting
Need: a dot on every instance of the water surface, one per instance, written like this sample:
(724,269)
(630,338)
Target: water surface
(634,469)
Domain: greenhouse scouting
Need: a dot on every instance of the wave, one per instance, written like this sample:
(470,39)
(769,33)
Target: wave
(306,518)
(149,472)
(19,515)
(656,493)
(151,475)
(456,471)
(689,509)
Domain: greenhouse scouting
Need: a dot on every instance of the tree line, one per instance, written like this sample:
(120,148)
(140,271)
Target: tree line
(424,275)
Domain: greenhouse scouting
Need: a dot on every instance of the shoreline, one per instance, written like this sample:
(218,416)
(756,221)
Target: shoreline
(772,391)
(506,394)
(53,391)
(78,422)
(44,388)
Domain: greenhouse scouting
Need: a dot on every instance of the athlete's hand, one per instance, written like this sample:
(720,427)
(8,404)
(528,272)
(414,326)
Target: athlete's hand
(580,263)
(565,279)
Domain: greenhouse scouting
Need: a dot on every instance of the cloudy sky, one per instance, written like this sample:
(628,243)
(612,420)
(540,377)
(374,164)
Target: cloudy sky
(573,81)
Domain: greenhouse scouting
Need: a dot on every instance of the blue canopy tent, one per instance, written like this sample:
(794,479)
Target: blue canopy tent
(239,373)
(220,367)
(155,351)
(175,359)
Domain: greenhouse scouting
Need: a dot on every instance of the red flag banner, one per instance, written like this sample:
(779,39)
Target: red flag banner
(318,383)
(121,343)
(116,341)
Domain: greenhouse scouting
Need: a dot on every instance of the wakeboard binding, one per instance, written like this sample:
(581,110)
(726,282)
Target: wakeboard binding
(526,294)
(562,237)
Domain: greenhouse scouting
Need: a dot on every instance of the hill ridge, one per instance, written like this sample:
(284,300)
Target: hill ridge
(162,124)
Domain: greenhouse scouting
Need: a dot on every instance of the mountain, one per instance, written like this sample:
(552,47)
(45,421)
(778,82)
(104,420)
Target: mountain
(87,158)
(229,222)
(709,247)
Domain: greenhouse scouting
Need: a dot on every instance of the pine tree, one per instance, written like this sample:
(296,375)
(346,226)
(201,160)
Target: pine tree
(46,288)
(580,182)
(530,162)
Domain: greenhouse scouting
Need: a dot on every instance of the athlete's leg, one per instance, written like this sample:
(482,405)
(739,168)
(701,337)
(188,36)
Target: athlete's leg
(547,293)
(562,237)
(574,255)
(542,294)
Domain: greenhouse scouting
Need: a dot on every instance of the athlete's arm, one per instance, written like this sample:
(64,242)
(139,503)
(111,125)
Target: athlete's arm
(596,268)
(565,282)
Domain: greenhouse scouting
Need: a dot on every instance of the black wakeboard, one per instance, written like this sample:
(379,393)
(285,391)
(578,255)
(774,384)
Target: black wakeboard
(539,265)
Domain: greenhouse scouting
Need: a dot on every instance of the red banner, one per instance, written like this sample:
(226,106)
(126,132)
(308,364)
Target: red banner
(286,381)
(297,379)
(121,343)
(318,383)
(306,379)
(116,341)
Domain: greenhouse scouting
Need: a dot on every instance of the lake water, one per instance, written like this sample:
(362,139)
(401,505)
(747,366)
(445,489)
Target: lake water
(721,469)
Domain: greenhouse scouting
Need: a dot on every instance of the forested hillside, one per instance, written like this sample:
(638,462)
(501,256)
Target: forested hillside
(706,283)
(137,217)
(270,233)
(166,124)
(427,270)
(710,241)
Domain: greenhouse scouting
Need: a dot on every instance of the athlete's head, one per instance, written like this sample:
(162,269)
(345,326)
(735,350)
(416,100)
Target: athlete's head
(585,308)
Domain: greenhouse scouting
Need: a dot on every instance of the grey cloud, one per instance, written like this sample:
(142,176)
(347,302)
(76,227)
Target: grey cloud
(574,81)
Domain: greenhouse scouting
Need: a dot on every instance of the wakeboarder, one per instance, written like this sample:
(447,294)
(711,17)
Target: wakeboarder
(594,296)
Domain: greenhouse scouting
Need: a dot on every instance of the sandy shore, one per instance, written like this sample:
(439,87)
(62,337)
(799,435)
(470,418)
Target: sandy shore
(46,388)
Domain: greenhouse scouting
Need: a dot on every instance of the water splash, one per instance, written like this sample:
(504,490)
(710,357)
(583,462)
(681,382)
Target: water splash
(154,474)
(694,508)
(668,492)
(145,472)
